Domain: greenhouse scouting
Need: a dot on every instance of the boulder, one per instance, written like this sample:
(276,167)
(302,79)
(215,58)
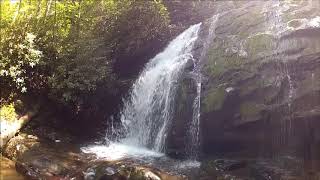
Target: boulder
(126,170)
(39,158)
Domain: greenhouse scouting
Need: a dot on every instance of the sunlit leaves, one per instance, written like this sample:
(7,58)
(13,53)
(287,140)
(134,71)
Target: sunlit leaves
(18,56)
(69,46)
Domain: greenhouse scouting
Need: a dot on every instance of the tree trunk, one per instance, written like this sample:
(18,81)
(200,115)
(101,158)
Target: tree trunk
(17,12)
(48,5)
(9,129)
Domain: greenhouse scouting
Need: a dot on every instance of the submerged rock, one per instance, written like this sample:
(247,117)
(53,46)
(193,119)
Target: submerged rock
(229,165)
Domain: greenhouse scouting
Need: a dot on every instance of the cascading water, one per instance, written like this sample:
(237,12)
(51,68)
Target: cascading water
(148,112)
(194,128)
(278,28)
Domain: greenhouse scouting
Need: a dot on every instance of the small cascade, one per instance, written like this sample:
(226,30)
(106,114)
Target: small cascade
(193,146)
(194,129)
(147,113)
(278,28)
(290,95)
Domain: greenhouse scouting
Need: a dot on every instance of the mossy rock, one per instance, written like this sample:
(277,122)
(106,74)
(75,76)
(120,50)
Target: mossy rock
(295,23)
(250,111)
(313,12)
(312,46)
(260,45)
(220,61)
(251,19)
(251,86)
(215,99)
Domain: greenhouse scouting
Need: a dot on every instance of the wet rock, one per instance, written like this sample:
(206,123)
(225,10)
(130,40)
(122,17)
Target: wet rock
(20,144)
(178,135)
(269,54)
(229,165)
(176,152)
(104,170)
(263,173)
(38,158)
(224,168)
(110,171)
(286,168)
(151,176)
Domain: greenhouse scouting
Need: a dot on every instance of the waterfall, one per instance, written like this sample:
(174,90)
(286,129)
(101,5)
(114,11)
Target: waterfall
(193,146)
(278,27)
(147,113)
(194,129)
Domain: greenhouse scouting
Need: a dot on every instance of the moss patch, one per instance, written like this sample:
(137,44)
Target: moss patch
(260,43)
(249,111)
(251,19)
(250,86)
(215,99)
(220,61)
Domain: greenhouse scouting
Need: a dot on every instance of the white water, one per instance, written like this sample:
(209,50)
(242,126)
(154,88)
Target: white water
(194,128)
(147,113)
(115,151)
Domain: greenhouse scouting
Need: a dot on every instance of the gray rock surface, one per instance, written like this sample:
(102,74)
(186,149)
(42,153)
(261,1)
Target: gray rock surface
(261,89)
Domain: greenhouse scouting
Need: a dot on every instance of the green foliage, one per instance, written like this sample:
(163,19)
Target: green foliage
(18,56)
(66,49)
(82,77)
(136,23)
(8,113)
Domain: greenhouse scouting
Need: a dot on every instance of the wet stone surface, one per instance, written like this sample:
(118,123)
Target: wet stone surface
(40,159)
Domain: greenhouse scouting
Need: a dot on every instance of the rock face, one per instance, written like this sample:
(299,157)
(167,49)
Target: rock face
(261,89)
